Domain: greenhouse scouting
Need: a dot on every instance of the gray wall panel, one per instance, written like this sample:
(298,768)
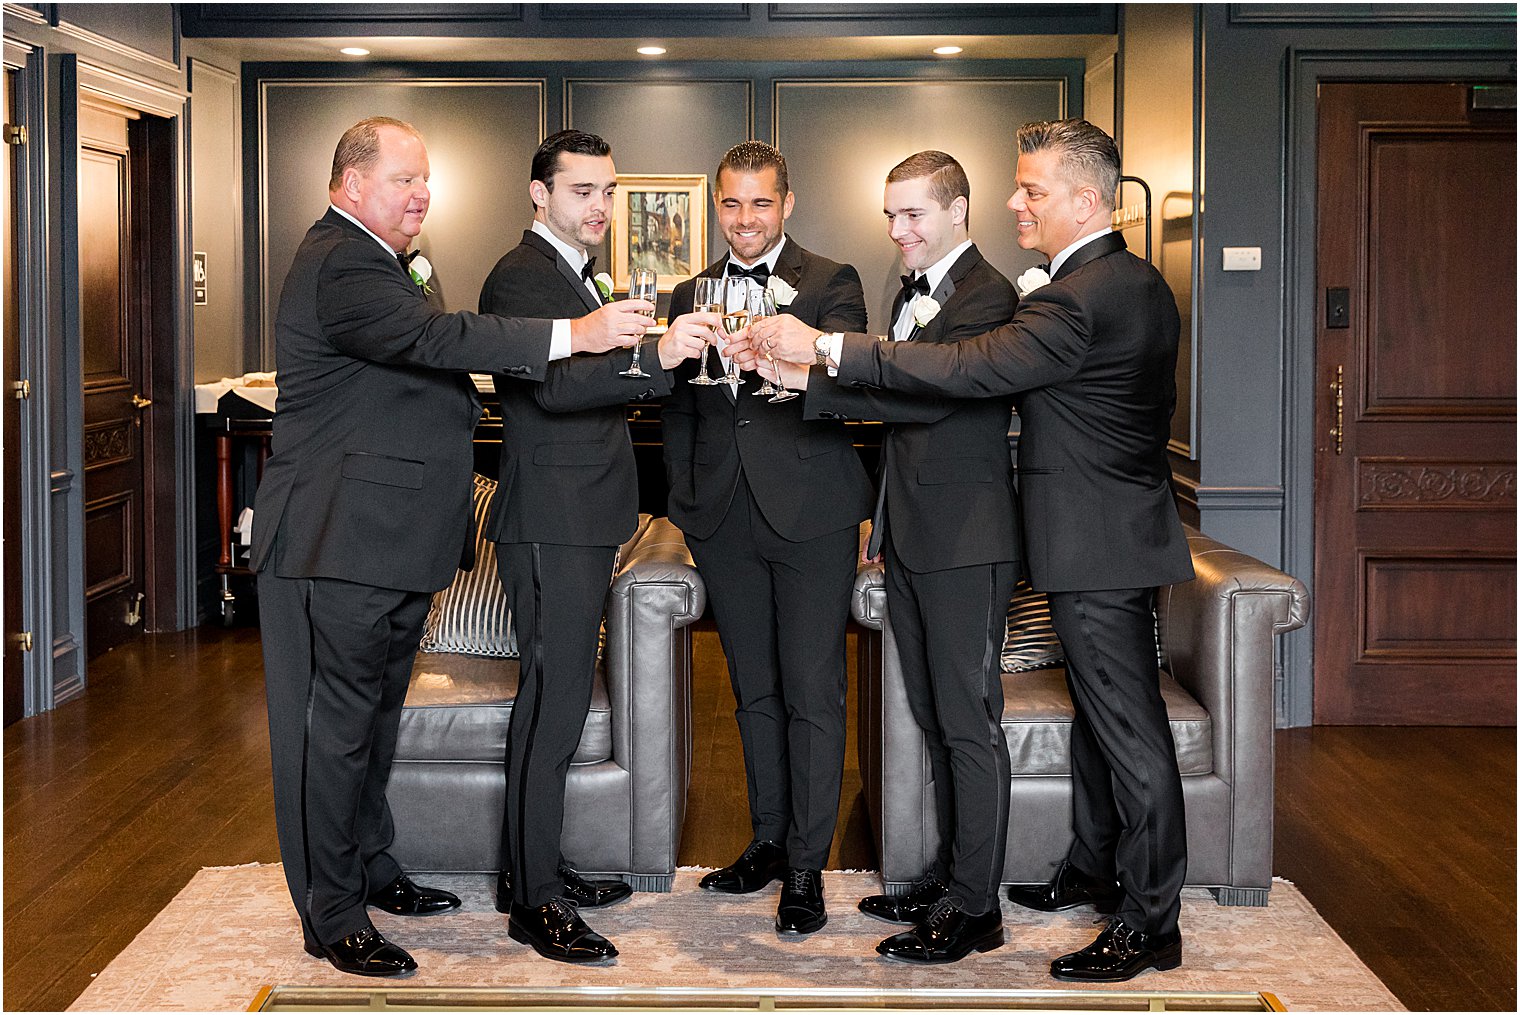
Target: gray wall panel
(480,135)
(664,127)
(842,137)
(216,201)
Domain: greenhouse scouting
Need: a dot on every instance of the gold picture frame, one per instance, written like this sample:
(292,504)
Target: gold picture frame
(659,222)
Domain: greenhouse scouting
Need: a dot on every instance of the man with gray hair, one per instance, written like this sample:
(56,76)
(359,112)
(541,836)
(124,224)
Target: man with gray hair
(363,513)
(1089,358)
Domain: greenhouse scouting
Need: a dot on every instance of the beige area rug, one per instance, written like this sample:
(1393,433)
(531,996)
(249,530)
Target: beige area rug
(232,930)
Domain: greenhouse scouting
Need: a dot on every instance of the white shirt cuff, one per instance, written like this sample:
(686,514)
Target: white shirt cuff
(559,340)
(836,349)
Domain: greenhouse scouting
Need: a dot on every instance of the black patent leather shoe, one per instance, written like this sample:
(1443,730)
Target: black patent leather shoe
(760,864)
(585,893)
(909,908)
(947,934)
(366,953)
(1120,953)
(556,931)
(800,910)
(1071,887)
(404,897)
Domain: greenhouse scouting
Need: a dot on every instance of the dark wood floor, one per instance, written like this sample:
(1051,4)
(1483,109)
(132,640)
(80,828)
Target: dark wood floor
(1403,838)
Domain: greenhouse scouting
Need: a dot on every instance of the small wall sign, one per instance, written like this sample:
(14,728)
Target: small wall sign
(199,277)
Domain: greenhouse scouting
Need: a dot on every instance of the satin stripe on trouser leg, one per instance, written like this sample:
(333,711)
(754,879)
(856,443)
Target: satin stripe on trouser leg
(557,594)
(782,608)
(949,628)
(1129,764)
(337,660)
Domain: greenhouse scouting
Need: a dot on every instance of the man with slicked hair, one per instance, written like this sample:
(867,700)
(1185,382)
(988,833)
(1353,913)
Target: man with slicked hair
(946,522)
(364,511)
(567,499)
(770,504)
(1089,358)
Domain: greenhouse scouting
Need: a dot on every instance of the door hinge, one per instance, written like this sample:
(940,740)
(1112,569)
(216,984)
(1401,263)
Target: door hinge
(134,612)
(22,390)
(15,133)
(1338,389)
(24,641)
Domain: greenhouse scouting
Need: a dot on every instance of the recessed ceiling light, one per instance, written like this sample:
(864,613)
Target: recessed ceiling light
(354,51)
(947,50)
(651,50)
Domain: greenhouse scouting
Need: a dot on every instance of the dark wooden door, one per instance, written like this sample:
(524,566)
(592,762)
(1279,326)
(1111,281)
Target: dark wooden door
(111,315)
(1415,460)
(10,436)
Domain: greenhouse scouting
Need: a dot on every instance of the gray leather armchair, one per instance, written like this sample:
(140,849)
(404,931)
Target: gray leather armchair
(1217,644)
(625,798)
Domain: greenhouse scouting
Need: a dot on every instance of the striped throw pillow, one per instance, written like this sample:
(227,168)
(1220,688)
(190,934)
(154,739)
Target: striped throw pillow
(471,615)
(1030,642)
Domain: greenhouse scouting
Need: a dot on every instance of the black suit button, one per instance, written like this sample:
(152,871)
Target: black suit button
(742,422)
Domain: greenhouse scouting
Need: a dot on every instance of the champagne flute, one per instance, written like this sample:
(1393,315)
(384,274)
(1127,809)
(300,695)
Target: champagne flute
(641,286)
(707,299)
(783,395)
(762,303)
(735,319)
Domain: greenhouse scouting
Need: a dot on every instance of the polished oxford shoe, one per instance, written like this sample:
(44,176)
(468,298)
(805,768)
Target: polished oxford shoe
(585,893)
(404,897)
(1070,888)
(366,953)
(760,864)
(947,934)
(1119,953)
(801,908)
(556,931)
(909,908)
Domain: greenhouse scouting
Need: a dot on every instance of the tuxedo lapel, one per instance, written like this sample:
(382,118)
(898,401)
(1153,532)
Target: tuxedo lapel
(569,274)
(969,259)
(1102,246)
(333,218)
(789,264)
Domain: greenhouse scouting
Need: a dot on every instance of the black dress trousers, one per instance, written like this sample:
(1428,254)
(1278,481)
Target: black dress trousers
(1127,808)
(335,680)
(949,627)
(781,609)
(557,594)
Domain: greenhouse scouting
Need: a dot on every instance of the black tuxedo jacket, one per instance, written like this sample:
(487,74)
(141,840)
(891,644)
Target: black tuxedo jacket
(1090,359)
(369,480)
(567,469)
(946,470)
(804,474)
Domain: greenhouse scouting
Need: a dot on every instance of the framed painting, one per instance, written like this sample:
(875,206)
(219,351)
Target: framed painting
(659,222)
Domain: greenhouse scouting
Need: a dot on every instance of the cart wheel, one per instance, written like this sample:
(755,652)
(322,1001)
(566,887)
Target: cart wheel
(229,612)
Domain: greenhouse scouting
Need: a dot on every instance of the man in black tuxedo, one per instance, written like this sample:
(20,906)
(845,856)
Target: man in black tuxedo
(1089,357)
(771,504)
(946,521)
(363,513)
(567,499)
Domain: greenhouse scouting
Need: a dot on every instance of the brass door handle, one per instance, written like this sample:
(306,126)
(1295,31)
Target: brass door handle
(139,402)
(1338,389)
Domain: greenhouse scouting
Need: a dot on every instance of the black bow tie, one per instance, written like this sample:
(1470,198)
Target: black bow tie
(913,286)
(589,268)
(406,257)
(761,273)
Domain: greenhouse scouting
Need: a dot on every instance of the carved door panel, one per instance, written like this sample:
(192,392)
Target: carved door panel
(11,437)
(114,382)
(1415,460)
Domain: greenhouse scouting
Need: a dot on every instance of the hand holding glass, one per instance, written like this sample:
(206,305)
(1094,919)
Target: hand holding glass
(707,299)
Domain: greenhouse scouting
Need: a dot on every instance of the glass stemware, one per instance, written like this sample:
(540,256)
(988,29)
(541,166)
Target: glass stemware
(707,299)
(641,286)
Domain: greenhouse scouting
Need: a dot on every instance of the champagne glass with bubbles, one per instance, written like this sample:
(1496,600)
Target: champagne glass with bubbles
(707,299)
(641,286)
(762,303)
(735,319)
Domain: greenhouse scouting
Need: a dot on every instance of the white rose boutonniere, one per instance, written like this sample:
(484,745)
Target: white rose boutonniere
(1030,281)
(925,309)
(783,292)
(603,283)
(422,270)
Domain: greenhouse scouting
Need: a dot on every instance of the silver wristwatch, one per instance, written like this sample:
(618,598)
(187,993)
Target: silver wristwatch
(822,346)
